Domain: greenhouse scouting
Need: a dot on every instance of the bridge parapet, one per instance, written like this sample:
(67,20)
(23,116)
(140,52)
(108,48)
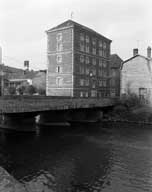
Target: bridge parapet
(22,104)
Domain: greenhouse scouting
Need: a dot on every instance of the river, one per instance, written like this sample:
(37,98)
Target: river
(80,159)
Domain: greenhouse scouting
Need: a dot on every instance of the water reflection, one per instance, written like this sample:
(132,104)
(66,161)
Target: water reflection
(81,159)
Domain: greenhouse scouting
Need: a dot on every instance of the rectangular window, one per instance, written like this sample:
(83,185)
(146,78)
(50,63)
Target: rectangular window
(94,61)
(59,58)
(94,41)
(87,82)
(86,94)
(100,52)
(100,83)
(81,93)
(81,46)
(87,60)
(87,39)
(94,51)
(94,84)
(100,72)
(59,37)
(93,93)
(58,69)
(100,44)
(100,62)
(87,70)
(59,81)
(81,82)
(94,72)
(104,45)
(104,83)
(81,69)
(59,46)
(81,36)
(81,58)
(87,48)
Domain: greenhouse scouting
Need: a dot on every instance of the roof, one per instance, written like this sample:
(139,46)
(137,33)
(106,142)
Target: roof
(70,23)
(115,61)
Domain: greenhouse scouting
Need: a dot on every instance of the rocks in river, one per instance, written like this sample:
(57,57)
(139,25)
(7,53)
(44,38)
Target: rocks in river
(8,183)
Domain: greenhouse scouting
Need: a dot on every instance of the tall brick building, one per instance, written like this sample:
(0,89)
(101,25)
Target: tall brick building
(78,61)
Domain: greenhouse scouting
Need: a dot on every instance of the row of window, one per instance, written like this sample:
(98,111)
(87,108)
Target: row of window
(92,71)
(94,83)
(93,93)
(94,51)
(94,61)
(94,41)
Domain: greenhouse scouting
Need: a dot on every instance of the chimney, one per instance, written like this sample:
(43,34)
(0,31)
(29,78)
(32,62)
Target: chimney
(135,51)
(149,52)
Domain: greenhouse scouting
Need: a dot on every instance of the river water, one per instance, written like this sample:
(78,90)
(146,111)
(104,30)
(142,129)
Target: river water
(80,159)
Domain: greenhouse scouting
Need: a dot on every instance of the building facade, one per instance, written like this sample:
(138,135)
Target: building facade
(78,61)
(136,76)
(115,65)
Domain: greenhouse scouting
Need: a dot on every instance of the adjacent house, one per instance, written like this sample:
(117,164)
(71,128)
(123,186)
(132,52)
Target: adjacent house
(136,75)
(78,61)
(115,65)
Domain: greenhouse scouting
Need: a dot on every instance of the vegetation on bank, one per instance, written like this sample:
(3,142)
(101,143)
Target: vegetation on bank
(131,108)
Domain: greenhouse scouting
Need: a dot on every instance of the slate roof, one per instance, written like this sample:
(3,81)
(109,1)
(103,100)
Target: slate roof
(70,23)
(115,61)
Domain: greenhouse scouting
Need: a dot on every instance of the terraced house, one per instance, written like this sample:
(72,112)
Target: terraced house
(78,61)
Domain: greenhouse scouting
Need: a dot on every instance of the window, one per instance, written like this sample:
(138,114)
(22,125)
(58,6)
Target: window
(81,93)
(59,81)
(100,62)
(94,61)
(100,83)
(94,84)
(94,51)
(81,36)
(100,72)
(59,36)
(93,93)
(87,60)
(104,83)
(59,69)
(87,70)
(94,41)
(81,69)
(59,46)
(87,48)
(104,63)
(81,82)
(86,94)
(81,46)
(93,71)
(81,58)
(87,39)
(100,44)
(100,52)
(104,73)
(59,58)
(142,93)
(104,45)
(87,82)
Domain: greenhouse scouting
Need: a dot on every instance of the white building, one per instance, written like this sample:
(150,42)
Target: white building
(136,75)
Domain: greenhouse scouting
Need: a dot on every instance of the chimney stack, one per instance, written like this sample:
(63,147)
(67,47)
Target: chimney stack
(135,51)
(149,52)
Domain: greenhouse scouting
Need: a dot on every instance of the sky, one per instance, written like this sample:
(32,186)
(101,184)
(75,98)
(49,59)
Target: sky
(23,24)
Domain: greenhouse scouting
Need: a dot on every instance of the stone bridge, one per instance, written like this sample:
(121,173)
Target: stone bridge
(17,112)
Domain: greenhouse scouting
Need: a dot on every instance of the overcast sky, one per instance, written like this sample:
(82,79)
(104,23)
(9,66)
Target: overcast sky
(128,23)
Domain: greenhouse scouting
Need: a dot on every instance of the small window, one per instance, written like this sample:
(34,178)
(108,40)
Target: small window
(87,82)
(87,39)
(94,51)
(100,44)
(86,94)
(81,58)
(104,82)
(100,62)
(81,93)
(94,41)
(59,46)
(87,60)
(87,48)
(81,82)
(87,71)
(59,69)
(59,58)
(94,61)
(81,69)
(59,37)
(81,36)
(93,93)
(59,81)
(100,52)
(81,46)
(104,45)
